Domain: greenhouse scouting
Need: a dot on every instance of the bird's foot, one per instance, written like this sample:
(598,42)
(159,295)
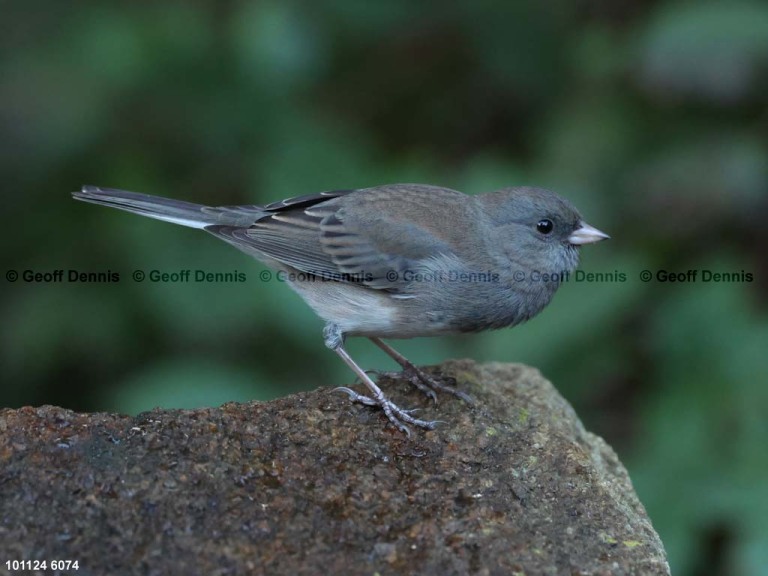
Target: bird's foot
(427,383)
(398,416)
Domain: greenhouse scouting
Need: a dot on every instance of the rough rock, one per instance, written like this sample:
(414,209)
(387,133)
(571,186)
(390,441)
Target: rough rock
(311,484)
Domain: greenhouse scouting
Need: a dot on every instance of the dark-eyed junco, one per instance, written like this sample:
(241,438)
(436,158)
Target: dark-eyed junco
(398,261)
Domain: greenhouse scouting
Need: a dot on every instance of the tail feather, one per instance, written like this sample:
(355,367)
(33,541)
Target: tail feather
(170,210)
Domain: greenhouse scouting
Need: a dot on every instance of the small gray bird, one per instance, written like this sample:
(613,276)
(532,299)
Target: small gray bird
(398,261)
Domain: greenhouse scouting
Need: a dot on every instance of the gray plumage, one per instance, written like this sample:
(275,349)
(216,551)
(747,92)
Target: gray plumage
(400,260)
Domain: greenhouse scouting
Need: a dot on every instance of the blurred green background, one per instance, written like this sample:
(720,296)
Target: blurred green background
(651,117)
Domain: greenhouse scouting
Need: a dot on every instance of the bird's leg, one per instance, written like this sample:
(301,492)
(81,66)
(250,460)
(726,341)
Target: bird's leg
(416,376)
(334,339)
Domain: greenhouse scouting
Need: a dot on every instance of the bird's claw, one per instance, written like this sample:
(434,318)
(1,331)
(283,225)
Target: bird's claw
(398,416)
(427,383)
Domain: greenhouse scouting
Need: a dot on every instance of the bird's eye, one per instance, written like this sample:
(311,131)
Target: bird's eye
(545,226)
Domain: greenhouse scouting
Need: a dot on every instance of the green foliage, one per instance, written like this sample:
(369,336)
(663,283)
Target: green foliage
(702,444)
(650,117)
(712,51)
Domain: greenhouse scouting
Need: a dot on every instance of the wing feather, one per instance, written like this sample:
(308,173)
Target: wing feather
(372,240)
